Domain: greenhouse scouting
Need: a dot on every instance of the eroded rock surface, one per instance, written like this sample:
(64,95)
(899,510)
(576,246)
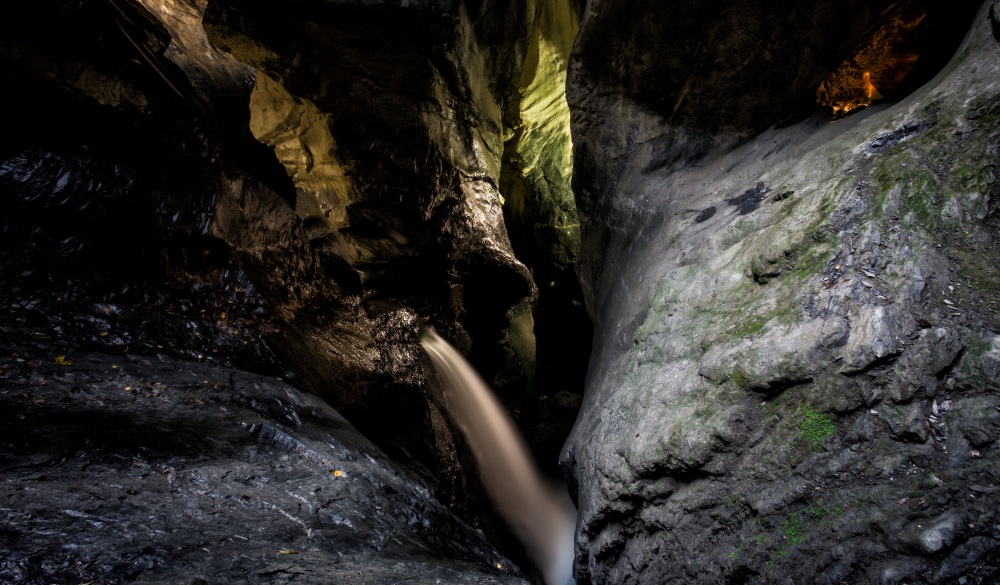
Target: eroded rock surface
(794,374)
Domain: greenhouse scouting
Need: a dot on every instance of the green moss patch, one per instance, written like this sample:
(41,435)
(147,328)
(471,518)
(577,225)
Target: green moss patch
(815,427)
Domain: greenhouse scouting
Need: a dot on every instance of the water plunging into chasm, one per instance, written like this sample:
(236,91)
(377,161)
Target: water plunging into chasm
(542,518)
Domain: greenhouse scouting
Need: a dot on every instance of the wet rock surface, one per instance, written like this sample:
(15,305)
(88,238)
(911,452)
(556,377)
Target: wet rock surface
(148,469)
(798,385)
(295,193)
(197,177)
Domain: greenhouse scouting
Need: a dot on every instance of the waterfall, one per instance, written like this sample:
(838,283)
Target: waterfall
(539,516)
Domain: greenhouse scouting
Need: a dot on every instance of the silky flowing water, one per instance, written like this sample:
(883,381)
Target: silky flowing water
(541,517)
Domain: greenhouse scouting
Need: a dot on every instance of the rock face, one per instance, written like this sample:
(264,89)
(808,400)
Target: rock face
(795,368)
(338,163)
(397,125)
(295,191)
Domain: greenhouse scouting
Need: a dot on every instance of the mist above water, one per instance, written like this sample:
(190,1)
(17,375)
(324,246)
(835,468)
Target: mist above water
(543,519)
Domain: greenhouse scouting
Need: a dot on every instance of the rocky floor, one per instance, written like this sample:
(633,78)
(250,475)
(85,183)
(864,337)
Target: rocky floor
(126,468)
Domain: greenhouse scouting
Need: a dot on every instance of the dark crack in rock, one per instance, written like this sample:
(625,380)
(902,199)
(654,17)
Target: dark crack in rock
(749,200)
(890,139)
(995,20)
(705,214)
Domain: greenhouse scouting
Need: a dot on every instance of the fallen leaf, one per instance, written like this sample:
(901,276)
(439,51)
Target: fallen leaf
(868,273)
(337,473)
(867,284)
(62,361)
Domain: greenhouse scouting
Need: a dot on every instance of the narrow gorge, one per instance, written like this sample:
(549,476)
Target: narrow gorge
(730,266)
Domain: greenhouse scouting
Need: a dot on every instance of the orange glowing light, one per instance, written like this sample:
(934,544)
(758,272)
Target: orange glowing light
(879,63)
(869,88)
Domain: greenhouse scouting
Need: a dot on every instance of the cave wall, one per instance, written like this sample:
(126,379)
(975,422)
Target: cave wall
(307,184)
(108,198)
(389,133)
(795,375)
(391,122)
(678,85)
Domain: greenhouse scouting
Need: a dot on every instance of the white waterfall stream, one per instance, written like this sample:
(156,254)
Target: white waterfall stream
(542,518)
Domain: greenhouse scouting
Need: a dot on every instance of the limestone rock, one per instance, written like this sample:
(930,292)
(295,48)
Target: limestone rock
(782,386)
(939,533)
